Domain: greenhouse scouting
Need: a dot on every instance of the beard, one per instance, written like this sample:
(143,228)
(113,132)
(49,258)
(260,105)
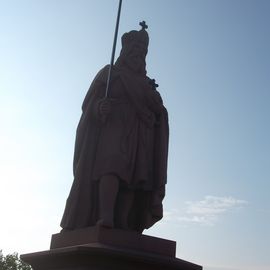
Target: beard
(135,62)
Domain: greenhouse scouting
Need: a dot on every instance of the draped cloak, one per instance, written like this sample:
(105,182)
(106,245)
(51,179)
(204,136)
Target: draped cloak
(131,143)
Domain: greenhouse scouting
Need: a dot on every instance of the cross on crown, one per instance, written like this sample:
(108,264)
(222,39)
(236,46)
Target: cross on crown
(143,25)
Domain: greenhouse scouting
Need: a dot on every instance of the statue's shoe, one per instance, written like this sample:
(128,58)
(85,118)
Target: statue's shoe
(105,223)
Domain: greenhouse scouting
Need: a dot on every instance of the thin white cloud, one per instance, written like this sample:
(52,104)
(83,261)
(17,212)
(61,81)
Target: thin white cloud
(206,211)
(212,205)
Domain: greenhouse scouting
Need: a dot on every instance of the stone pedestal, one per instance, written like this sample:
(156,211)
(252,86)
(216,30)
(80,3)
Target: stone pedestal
(97,248)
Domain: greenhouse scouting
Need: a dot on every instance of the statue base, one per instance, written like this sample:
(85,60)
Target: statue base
(97,248)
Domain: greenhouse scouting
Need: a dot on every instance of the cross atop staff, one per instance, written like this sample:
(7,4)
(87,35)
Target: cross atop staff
(143,25)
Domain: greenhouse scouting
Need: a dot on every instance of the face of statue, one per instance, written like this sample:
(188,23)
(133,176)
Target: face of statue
(135,60)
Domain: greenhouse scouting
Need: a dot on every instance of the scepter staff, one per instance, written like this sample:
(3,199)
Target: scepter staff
(113,49)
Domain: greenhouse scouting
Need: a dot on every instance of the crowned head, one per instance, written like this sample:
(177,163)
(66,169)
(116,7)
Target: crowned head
(134,49)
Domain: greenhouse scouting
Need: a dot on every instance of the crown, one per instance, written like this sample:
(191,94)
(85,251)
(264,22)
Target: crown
(136,36)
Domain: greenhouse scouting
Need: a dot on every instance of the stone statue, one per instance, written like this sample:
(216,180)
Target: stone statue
(120,159)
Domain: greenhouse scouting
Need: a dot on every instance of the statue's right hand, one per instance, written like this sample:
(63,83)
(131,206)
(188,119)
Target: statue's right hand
(104,107)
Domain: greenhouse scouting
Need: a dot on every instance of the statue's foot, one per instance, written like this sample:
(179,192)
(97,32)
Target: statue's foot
(65,230)
(124,226)
(105,223)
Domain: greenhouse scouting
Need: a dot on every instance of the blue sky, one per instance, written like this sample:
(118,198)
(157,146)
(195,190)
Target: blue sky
(211,60)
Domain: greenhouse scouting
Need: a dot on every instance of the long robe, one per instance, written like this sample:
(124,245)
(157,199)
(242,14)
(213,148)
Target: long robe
(131,143)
